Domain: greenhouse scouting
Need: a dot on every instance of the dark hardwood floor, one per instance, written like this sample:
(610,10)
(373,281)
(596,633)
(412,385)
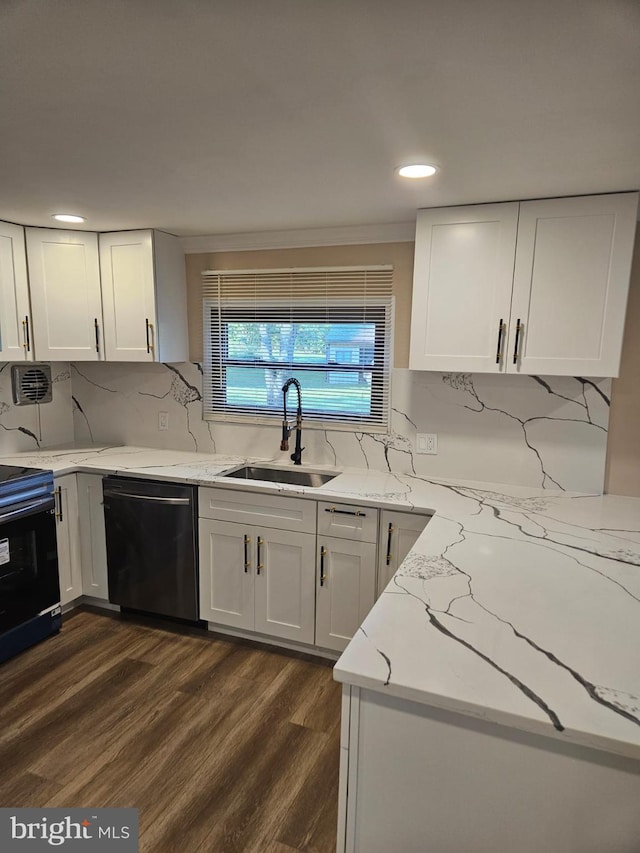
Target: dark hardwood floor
(222,746)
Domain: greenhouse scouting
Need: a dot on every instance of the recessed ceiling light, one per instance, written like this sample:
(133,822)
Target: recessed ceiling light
(68,217)
(416,170)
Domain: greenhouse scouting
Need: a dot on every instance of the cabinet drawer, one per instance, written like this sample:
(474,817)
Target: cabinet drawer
(274,511)
(348,521)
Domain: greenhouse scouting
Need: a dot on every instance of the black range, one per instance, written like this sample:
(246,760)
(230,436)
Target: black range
(29,588)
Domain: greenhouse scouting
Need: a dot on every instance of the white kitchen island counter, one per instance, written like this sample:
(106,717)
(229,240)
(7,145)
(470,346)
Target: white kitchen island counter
(491,698)
(519,608)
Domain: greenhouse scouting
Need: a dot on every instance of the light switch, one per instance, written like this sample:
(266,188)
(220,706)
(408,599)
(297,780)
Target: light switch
(163,420)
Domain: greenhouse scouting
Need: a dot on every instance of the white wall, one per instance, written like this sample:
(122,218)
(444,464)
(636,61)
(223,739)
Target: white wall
(549,432)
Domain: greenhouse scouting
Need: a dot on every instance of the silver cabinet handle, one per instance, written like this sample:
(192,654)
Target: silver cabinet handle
(357,512)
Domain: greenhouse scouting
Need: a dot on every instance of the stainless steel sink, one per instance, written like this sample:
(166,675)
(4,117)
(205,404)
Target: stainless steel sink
(281,475)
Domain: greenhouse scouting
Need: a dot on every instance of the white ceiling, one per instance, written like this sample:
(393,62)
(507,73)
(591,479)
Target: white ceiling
(222,116)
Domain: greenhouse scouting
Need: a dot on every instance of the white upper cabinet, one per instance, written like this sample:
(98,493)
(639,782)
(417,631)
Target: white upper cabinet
(64,276)
(15,330)
(538,287)
(570,287)
(463,275)
(144,297)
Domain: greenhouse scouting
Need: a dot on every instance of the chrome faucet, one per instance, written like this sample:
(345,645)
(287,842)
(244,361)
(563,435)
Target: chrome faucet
(287,426)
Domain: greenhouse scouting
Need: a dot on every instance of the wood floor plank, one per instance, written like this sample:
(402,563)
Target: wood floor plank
(224,747)
(162,755)
(316,707)
(217,762)
(69,670)
(243,804)
(25,790)
(311,821)
(20,753)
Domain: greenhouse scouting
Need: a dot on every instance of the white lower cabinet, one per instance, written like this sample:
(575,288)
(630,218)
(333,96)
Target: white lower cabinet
(80,535)
(346,581)
(346,589)
(68,537)
(257,579)
(406,768)
(284,584)
(226,578)
(281,580)
(93,545)
(398,534)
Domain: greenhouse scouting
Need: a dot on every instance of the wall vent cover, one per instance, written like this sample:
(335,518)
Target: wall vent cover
(31,384)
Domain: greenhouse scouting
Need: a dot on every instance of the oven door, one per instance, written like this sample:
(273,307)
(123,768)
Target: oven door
(28,562)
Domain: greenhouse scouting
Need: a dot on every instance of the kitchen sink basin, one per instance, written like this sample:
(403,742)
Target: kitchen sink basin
(281,475)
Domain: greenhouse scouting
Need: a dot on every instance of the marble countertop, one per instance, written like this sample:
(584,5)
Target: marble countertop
(520,606)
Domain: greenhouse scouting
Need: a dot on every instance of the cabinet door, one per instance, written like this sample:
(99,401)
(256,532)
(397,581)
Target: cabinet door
(571,283)
(226,577)
(93,546)
(68,538)
(284,584)
(398,534)
(462,283)
(128,296)
(345,591)
(64,274)
(15,332)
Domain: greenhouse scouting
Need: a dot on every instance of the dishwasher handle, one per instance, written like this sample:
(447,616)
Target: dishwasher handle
(108,493)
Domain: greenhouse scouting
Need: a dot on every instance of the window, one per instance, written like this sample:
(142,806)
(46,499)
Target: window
(328,328)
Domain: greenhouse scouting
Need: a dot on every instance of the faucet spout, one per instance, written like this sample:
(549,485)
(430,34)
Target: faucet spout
(296,456)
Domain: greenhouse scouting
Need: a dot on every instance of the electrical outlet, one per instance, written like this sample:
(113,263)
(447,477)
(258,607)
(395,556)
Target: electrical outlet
(163,420)
(427,442)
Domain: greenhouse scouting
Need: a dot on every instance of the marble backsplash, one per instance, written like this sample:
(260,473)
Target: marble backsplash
(527,430)
(33,426)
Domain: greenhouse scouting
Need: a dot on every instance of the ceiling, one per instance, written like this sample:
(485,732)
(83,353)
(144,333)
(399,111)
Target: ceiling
(231,116)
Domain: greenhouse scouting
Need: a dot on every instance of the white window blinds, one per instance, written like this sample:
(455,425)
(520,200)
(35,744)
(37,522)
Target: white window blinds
(330,328)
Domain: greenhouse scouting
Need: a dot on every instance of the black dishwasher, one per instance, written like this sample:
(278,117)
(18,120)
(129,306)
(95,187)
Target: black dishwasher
(152,546)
